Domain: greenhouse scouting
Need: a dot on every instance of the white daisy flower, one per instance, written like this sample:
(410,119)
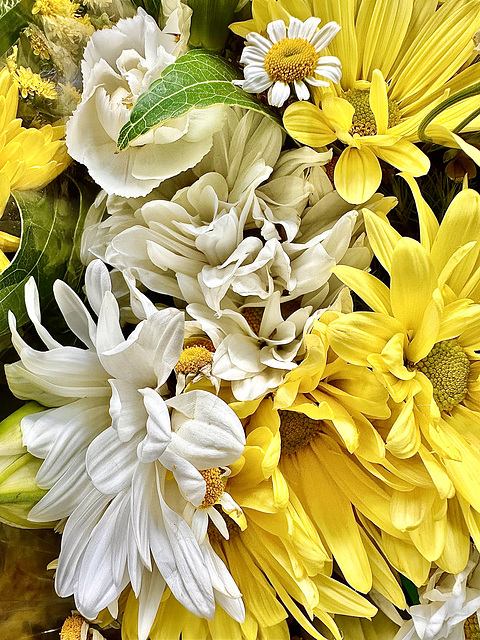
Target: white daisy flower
(122,455)
(286,58)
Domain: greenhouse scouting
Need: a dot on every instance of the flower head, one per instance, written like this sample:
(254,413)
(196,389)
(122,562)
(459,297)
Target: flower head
(390,81)
(289,57)
(119,64)
(134,457)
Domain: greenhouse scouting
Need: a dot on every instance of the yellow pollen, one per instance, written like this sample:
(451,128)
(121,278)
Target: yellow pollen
(215,487)
(472,628)
(253,315)
(72,628)
(55,8)
(193,359)
(291,59)
(447,367)
(38,44)
(363,121)
(296,430)
(30,83)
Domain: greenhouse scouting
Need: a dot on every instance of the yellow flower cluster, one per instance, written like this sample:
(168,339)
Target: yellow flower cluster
(30,84)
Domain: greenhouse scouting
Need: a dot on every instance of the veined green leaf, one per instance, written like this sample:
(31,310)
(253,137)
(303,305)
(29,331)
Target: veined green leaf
(199,79)
(12,21)
(52,224)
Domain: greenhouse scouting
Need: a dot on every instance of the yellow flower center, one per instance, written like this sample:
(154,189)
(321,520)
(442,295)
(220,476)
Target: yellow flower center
(194,358)
(253,315)
(215,487)
(472,628)
(363,121)
(291,59)
(447,367)
(72,628)
(296,430)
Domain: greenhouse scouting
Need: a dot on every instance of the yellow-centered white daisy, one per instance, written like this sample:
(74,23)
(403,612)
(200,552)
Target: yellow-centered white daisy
(289,57)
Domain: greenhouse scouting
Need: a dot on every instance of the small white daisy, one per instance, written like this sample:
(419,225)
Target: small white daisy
(286,58)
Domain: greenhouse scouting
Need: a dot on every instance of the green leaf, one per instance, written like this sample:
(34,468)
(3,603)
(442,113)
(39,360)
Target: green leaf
(13,21)
(52,224)
(198,79)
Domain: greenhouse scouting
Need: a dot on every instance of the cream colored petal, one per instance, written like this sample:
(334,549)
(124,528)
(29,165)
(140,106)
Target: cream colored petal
(357,175)
(381,28)
(355,336)
(404,155)
(370,289)
(428,222)
(412,283)
(306,123)
(461,224)
(382,237)
(379,101)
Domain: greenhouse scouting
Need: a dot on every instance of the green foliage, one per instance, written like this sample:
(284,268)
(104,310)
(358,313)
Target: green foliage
(198,79)
(52,224)
(14,16)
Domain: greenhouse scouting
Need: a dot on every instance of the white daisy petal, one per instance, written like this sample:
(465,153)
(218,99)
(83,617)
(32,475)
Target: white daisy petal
(301,90)
(295,28)
(278,94)
(259,41)
(308,28)
(325,35)
(277,30)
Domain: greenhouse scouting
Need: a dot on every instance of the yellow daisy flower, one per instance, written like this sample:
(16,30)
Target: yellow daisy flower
(273,553)
(390,80)
(29,158)
(421,341)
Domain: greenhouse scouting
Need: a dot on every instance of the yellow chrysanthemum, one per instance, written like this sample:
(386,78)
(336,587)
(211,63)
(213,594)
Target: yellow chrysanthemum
(276,558)
(30,84)
(29,158)
(399,59)
(422,341)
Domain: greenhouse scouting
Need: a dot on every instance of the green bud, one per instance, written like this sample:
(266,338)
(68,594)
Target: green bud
(18,491)
(210,20)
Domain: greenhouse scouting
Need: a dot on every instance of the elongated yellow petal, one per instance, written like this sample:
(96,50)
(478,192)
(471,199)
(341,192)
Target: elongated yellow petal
(379,101)
(404,155)
(357,175)
(441,135)
(355,336)
(406,558)
(429,537)
(427,219)
(339,112)
(382,237)
(306,123)
(8,243)
(383,579)
(457,540)
(409,508)
(370,289)
(427,333)
(403,439)
(412,283)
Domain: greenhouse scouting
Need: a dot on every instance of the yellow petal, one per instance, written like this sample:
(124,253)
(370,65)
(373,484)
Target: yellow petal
(427,333)
(8,243)
(357,175)
(406,559)
(457,541)
(306,123)
(369,288)
(4,192)
(404,155)
(379,101)
(355,336)
(412,283)
(428,221)
(382,237)
(429,537)
(339,112)
(403,439)
(460,225)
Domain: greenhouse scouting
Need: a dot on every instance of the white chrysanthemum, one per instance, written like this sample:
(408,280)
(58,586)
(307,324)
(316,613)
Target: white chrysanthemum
(122,457)
(446,602)
(244,236)
(119,64)
(289,57)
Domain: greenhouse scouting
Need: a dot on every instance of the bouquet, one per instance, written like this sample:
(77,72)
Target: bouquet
(240,319)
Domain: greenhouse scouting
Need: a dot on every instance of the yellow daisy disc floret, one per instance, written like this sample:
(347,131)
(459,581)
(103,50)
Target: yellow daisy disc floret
(422,341)
(390,81)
